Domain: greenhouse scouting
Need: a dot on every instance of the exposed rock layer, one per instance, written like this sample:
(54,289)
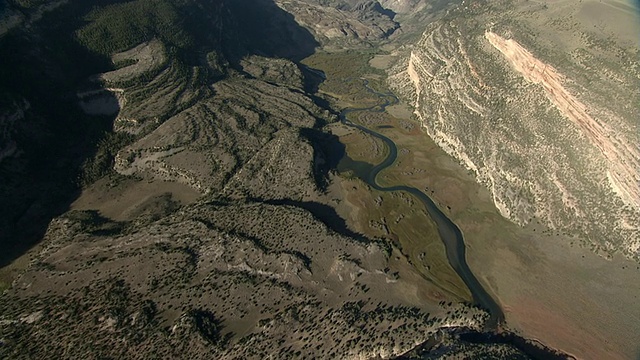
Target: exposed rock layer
(548,141)
(623,159)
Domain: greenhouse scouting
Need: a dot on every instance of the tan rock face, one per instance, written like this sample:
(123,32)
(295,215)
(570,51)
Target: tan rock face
(548,133)
(622,157)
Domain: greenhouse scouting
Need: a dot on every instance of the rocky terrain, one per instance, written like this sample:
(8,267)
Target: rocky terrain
(552,99)
(340,24)
(226,141)
(220,280)
(170,183)
(621,156)
(204,225)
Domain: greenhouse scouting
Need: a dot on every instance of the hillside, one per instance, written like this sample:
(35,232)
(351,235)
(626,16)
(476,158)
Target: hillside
(551,97)
(533,102)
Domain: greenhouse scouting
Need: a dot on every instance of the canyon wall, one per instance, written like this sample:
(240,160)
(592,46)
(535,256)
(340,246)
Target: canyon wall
(546,125)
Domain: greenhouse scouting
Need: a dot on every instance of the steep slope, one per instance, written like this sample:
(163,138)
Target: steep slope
(208,143)
(537,104)
(52,144)
(207,223)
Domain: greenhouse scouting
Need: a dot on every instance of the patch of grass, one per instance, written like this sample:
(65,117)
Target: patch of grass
(402,219)
(8,273)
(4,285)
(344,71)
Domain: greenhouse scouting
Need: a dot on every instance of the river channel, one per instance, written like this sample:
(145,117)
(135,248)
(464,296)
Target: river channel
(449,232)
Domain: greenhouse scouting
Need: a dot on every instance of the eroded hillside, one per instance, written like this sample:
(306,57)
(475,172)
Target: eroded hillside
(217,280)
(621,156)
(211,219)
(538,108)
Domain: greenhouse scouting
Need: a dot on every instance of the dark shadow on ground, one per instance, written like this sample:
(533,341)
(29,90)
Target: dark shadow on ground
(260,27)
(41,70)
(328,152)
(312,79)
(325,213)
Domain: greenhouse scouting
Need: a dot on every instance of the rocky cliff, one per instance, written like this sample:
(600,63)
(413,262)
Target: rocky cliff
(537,104)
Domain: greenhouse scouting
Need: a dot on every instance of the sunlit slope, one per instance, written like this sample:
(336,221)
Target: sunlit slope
(538,100)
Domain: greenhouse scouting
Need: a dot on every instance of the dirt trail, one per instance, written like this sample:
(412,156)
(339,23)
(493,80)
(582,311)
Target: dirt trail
(623,158)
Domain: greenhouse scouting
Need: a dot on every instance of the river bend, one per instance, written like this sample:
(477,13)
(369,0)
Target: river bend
(449,232)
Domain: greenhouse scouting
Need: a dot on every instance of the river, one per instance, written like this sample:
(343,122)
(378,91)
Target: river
(449,232)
